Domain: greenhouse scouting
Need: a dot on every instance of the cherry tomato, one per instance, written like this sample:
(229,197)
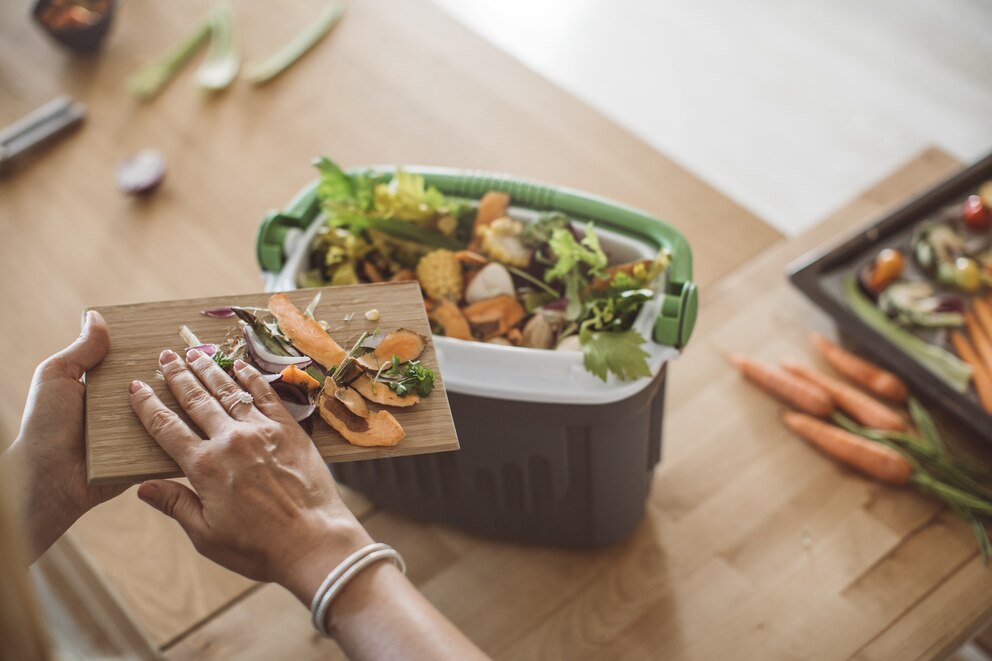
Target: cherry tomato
(967,275)
(888,267)
(976,215)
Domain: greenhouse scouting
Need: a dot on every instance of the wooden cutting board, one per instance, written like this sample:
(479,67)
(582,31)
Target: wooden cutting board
(119,450)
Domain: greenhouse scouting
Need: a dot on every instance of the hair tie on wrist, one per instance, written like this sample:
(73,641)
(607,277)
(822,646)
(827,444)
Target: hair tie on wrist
(341,575)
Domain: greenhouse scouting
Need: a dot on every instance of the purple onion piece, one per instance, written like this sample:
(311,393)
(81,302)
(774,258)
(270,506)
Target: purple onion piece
(271,378)
(297,403)
(557,304)
(141,173)
(218,313)
(372,341)
(208,349)
(950,304)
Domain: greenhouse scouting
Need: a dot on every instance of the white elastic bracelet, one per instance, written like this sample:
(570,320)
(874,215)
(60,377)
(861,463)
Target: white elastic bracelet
(341,575)
(335,574)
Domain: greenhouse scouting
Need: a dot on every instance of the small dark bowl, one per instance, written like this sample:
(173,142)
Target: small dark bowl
(86,39)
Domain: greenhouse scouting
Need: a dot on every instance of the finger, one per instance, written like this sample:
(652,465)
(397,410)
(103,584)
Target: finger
(178,502)
(83,354)
(266,399)
(202,407)
(167,428)
(220,385)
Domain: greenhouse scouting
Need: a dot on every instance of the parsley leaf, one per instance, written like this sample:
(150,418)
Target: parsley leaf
(617,352)
(570,255)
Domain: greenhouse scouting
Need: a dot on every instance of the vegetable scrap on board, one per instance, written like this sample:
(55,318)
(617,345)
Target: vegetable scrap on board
(312,373)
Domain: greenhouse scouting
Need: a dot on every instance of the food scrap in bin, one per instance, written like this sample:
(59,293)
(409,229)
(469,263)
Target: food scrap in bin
(487,276)
(312,373)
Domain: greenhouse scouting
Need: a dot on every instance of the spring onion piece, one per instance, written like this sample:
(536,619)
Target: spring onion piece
(189,337)
(223,61)
(262,72)
(943,364)
(268,361)
(152,79)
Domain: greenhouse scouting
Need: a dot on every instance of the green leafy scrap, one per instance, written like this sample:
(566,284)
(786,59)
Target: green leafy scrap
(619,353)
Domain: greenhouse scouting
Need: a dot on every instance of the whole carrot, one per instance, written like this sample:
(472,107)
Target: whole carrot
(878,381)
(863,408)
(979,374)
(800,393)
(873,459)
(979,340)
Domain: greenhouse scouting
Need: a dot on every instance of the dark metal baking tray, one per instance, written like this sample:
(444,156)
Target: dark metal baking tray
(820,276)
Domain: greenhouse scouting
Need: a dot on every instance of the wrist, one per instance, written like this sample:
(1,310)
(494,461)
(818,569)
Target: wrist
(331,544)
(43,514)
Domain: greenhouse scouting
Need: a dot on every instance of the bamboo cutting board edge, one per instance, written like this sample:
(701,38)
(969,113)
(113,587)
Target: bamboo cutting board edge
(119,450)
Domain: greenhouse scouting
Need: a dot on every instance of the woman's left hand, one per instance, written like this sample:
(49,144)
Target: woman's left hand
(50,446)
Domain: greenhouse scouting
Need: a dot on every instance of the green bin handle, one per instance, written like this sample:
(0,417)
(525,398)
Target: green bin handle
(677,319)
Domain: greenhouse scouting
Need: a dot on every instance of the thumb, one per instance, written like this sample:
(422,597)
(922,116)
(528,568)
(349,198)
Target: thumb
(176,501)
(88,349)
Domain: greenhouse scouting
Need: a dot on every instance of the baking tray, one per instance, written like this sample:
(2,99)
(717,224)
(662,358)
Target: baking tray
(820,276)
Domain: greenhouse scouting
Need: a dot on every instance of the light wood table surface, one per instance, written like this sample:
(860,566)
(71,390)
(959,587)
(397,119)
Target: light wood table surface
(719,565)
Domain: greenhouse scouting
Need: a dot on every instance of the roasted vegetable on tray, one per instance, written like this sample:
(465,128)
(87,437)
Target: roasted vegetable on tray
(541,282)
(935,303)
(311,372)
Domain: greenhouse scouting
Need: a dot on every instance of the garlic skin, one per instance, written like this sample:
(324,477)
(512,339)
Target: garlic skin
(570,343)
(372,315)
(491,281)
(537,333)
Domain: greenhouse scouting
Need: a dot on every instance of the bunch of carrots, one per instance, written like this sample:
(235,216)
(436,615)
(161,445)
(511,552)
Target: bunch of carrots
(859,427)
(977,351)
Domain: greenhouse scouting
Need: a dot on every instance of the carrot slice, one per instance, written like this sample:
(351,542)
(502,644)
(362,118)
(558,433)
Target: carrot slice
(305,333)
(979,374)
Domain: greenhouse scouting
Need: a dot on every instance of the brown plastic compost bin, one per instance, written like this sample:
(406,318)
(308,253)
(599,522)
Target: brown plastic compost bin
(549,453)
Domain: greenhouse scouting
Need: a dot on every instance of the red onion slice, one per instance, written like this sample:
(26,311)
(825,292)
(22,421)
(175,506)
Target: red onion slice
(271,378)
(208,349)
(141,173)
(218,313)
(300,412)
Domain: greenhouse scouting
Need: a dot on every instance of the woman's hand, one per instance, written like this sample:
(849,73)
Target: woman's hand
(50,444)
(264,503)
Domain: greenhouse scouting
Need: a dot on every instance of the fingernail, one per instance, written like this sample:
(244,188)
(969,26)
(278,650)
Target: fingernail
(134,387)
(147,490)
(239,365)
(193,354)
(167,356)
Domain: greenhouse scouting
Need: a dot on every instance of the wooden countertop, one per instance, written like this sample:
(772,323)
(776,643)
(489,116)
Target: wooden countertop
(719,563)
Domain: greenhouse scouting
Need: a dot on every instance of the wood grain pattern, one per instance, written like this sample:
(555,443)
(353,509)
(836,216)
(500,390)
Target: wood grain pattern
(396,82)
(119,449)
(754,545)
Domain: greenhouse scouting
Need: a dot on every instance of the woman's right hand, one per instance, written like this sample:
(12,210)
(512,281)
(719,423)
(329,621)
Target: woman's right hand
(264,503)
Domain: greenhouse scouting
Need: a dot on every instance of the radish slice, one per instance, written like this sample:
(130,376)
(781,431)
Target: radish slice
(141,173)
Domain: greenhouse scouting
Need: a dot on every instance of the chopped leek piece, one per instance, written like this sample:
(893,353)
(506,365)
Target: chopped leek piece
(262,72)
(223,61)
(152,79)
